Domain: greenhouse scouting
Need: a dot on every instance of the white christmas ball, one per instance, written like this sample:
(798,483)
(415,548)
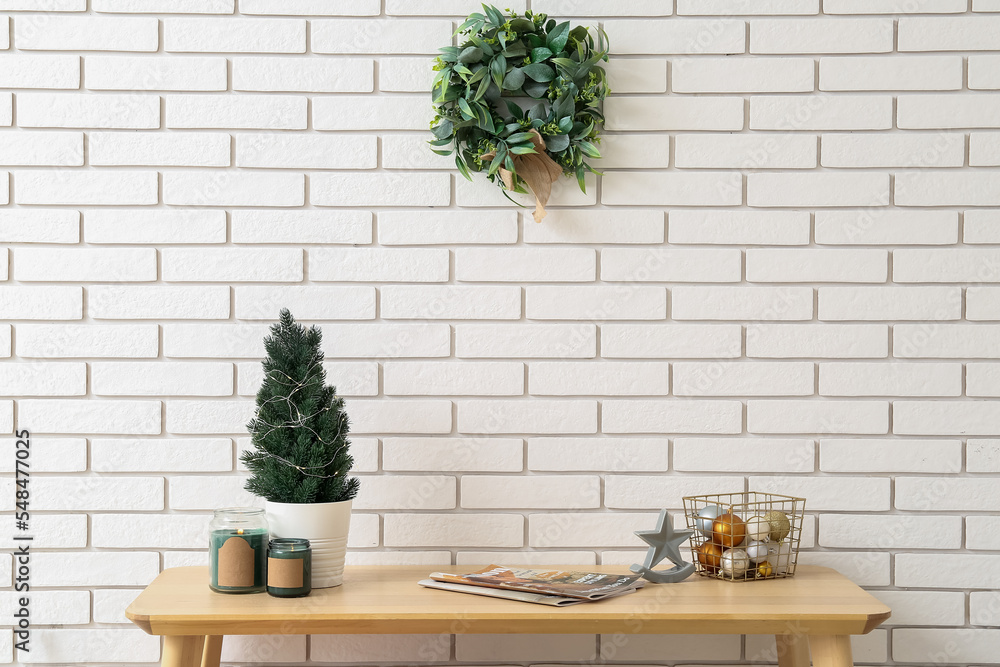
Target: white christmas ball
(735,563)
(757,551)
(758,528)
(780,556)
(706,517)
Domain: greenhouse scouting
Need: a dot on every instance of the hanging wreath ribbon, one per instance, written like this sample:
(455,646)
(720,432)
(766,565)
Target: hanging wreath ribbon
(509,58)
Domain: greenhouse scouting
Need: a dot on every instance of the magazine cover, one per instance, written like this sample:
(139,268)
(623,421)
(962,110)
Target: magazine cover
(564,583)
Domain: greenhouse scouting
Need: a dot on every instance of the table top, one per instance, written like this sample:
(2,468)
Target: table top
(386,599)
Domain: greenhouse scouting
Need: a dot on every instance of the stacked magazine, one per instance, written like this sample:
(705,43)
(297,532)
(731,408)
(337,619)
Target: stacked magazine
(557,588)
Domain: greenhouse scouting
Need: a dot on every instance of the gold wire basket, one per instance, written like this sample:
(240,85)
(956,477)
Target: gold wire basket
(745,536)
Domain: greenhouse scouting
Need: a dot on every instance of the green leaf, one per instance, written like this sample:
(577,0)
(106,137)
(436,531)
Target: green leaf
(583,70)
(585,132)
(439,152)
(589,149)
(522,25)
(462,167)
(519,137)
(556,40)
(566,63)
(483,119)
(523,150)
(484,85)
(440,142)
(557,142)
(566,124)
(539,72)
(537,112)
(498,68)
(494,15)
(540,54)
(477,26)
(471,23)
(482,44)
(593,60)
(443,129)
(466,110)
(515,110)
(535,89)
(452,94)
(580,175)
(449,54)
(565,104)
(602,42)
(514,80)
(438,92)
(498,161)
(479,75)
(472,54)
(515,50)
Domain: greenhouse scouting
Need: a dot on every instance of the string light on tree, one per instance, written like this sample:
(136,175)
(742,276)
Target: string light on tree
(299,433)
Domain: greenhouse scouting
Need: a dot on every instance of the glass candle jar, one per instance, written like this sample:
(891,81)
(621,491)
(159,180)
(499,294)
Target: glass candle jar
(289,567)
(238,550)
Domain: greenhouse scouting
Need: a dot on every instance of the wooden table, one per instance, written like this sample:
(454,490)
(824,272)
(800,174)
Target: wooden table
(816,610)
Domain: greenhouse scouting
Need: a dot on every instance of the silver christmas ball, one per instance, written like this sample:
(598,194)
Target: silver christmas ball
(758,528)
(706,517)
(757,551)
(735,563)
(780,556)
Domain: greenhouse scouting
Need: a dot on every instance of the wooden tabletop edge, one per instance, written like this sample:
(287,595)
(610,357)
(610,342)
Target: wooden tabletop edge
(875,620)
(141,620)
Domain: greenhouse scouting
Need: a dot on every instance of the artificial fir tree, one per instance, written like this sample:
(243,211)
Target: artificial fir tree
(299,433)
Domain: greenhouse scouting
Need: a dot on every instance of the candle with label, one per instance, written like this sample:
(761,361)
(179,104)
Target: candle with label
(238,550)
(289,568)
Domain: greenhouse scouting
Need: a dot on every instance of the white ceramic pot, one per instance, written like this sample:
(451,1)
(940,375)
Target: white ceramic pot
(328,523)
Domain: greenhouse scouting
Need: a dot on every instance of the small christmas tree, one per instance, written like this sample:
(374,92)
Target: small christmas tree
(301,451)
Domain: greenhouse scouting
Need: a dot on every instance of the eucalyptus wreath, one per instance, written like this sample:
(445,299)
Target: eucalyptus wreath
(504,60)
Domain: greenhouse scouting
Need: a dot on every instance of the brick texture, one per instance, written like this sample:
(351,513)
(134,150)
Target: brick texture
(787,279)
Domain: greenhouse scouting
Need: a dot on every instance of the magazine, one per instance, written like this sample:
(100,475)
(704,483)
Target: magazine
(568,585)
(519,596)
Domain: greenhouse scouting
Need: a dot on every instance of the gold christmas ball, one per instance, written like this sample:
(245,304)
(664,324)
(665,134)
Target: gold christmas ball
(764,569)
(729,530)
(710,556)
(779,524)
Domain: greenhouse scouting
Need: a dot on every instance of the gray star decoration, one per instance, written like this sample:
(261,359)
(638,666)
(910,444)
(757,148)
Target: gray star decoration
(664,542)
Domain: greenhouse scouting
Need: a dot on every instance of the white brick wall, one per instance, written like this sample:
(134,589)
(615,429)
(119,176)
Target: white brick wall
(787,279)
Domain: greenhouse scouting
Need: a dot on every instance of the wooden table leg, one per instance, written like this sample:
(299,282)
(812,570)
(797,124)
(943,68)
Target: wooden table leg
(793,650)
(182,650)
(831,650)
(213,651)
